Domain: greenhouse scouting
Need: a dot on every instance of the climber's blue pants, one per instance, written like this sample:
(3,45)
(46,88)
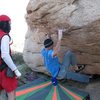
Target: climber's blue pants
(70,60)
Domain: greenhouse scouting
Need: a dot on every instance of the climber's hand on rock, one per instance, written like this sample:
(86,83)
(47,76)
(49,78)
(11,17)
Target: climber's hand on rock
(60,34)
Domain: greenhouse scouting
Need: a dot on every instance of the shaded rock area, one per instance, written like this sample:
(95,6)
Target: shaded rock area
(94,90)
(80,18)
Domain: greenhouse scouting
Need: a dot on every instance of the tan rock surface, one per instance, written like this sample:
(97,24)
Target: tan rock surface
(80,18)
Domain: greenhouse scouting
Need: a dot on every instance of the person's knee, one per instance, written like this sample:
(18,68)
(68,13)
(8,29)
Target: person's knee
(11,95)
(69,52)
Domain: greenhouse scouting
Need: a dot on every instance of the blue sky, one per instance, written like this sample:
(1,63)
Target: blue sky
(16,10)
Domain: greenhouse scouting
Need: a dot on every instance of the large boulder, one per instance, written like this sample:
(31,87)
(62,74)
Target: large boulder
(80,18)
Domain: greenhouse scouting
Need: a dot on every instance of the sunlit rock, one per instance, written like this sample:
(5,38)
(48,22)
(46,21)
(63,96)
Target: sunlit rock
(80,18)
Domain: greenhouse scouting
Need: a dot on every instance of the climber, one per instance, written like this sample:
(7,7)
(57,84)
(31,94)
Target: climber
(65,70)
(8,70)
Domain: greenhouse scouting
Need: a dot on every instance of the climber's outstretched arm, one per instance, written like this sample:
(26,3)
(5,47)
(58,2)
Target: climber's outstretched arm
(57,47)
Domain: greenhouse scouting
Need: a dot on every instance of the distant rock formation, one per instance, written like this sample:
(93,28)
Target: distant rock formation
(80,18)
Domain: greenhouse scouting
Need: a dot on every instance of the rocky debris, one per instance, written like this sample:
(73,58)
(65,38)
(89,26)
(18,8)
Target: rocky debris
(94,90)
(27,74)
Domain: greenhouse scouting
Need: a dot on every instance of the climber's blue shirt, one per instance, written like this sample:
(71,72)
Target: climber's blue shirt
(51,63)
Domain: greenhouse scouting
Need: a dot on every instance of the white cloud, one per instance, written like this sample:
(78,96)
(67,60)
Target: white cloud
(16,10)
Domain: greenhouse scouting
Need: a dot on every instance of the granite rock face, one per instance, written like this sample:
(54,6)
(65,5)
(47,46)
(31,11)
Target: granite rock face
(80,18)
